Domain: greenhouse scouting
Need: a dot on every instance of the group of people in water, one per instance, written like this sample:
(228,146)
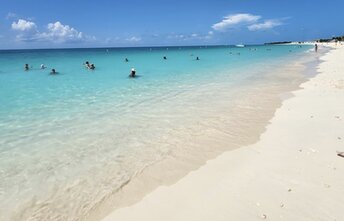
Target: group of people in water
(132,74)
(90,66)
(53,71)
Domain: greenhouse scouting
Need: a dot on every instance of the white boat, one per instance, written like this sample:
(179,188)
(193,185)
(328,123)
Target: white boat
(240,45)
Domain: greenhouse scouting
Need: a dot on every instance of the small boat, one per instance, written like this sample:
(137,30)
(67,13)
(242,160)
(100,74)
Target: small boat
(240,46)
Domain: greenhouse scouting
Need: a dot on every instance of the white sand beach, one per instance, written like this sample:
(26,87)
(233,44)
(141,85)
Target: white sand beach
(292,173)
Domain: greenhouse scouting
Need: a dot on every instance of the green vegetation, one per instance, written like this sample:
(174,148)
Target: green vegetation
(340,38)
(278,42)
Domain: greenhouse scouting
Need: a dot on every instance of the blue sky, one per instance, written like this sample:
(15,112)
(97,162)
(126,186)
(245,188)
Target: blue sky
(106,23)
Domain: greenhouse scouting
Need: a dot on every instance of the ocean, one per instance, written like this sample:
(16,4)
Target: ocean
(70,141)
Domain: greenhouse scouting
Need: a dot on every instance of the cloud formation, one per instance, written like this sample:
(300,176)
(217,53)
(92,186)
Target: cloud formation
(56,32)
(61,33)
(134,39)
(23,25)
(252,22)
(267,24)
(234,20)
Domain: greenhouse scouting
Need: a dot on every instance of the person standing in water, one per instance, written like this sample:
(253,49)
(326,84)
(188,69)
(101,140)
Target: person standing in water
(132,73)
(316,47)
(26,67)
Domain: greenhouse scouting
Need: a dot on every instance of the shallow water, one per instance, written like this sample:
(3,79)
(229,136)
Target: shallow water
(69,141)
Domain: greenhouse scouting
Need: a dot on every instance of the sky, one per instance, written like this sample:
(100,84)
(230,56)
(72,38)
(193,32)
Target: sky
(131,23)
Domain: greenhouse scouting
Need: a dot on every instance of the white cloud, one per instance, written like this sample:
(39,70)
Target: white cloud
(56,32)
(267,24)
(134,39)
(234,20)
(23,25)
(61,33)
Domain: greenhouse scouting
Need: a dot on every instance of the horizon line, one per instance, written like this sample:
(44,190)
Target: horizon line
(121,47)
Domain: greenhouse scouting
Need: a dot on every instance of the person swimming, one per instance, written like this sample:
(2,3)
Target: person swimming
(26,67)
(42,66)
(87,64)
(126,60)
(197,58)
(53,71)
(132,73)
(165,58)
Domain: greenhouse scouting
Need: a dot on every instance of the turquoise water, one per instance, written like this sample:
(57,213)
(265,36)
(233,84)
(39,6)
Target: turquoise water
(70,140)
(22,89)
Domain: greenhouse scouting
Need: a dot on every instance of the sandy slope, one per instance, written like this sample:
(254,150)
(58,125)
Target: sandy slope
(292,173)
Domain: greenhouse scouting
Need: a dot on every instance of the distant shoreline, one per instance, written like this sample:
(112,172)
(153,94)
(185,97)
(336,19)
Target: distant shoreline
(143,47)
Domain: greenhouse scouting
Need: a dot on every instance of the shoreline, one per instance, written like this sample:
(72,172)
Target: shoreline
(178,167)
(189,124)
(212,176)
